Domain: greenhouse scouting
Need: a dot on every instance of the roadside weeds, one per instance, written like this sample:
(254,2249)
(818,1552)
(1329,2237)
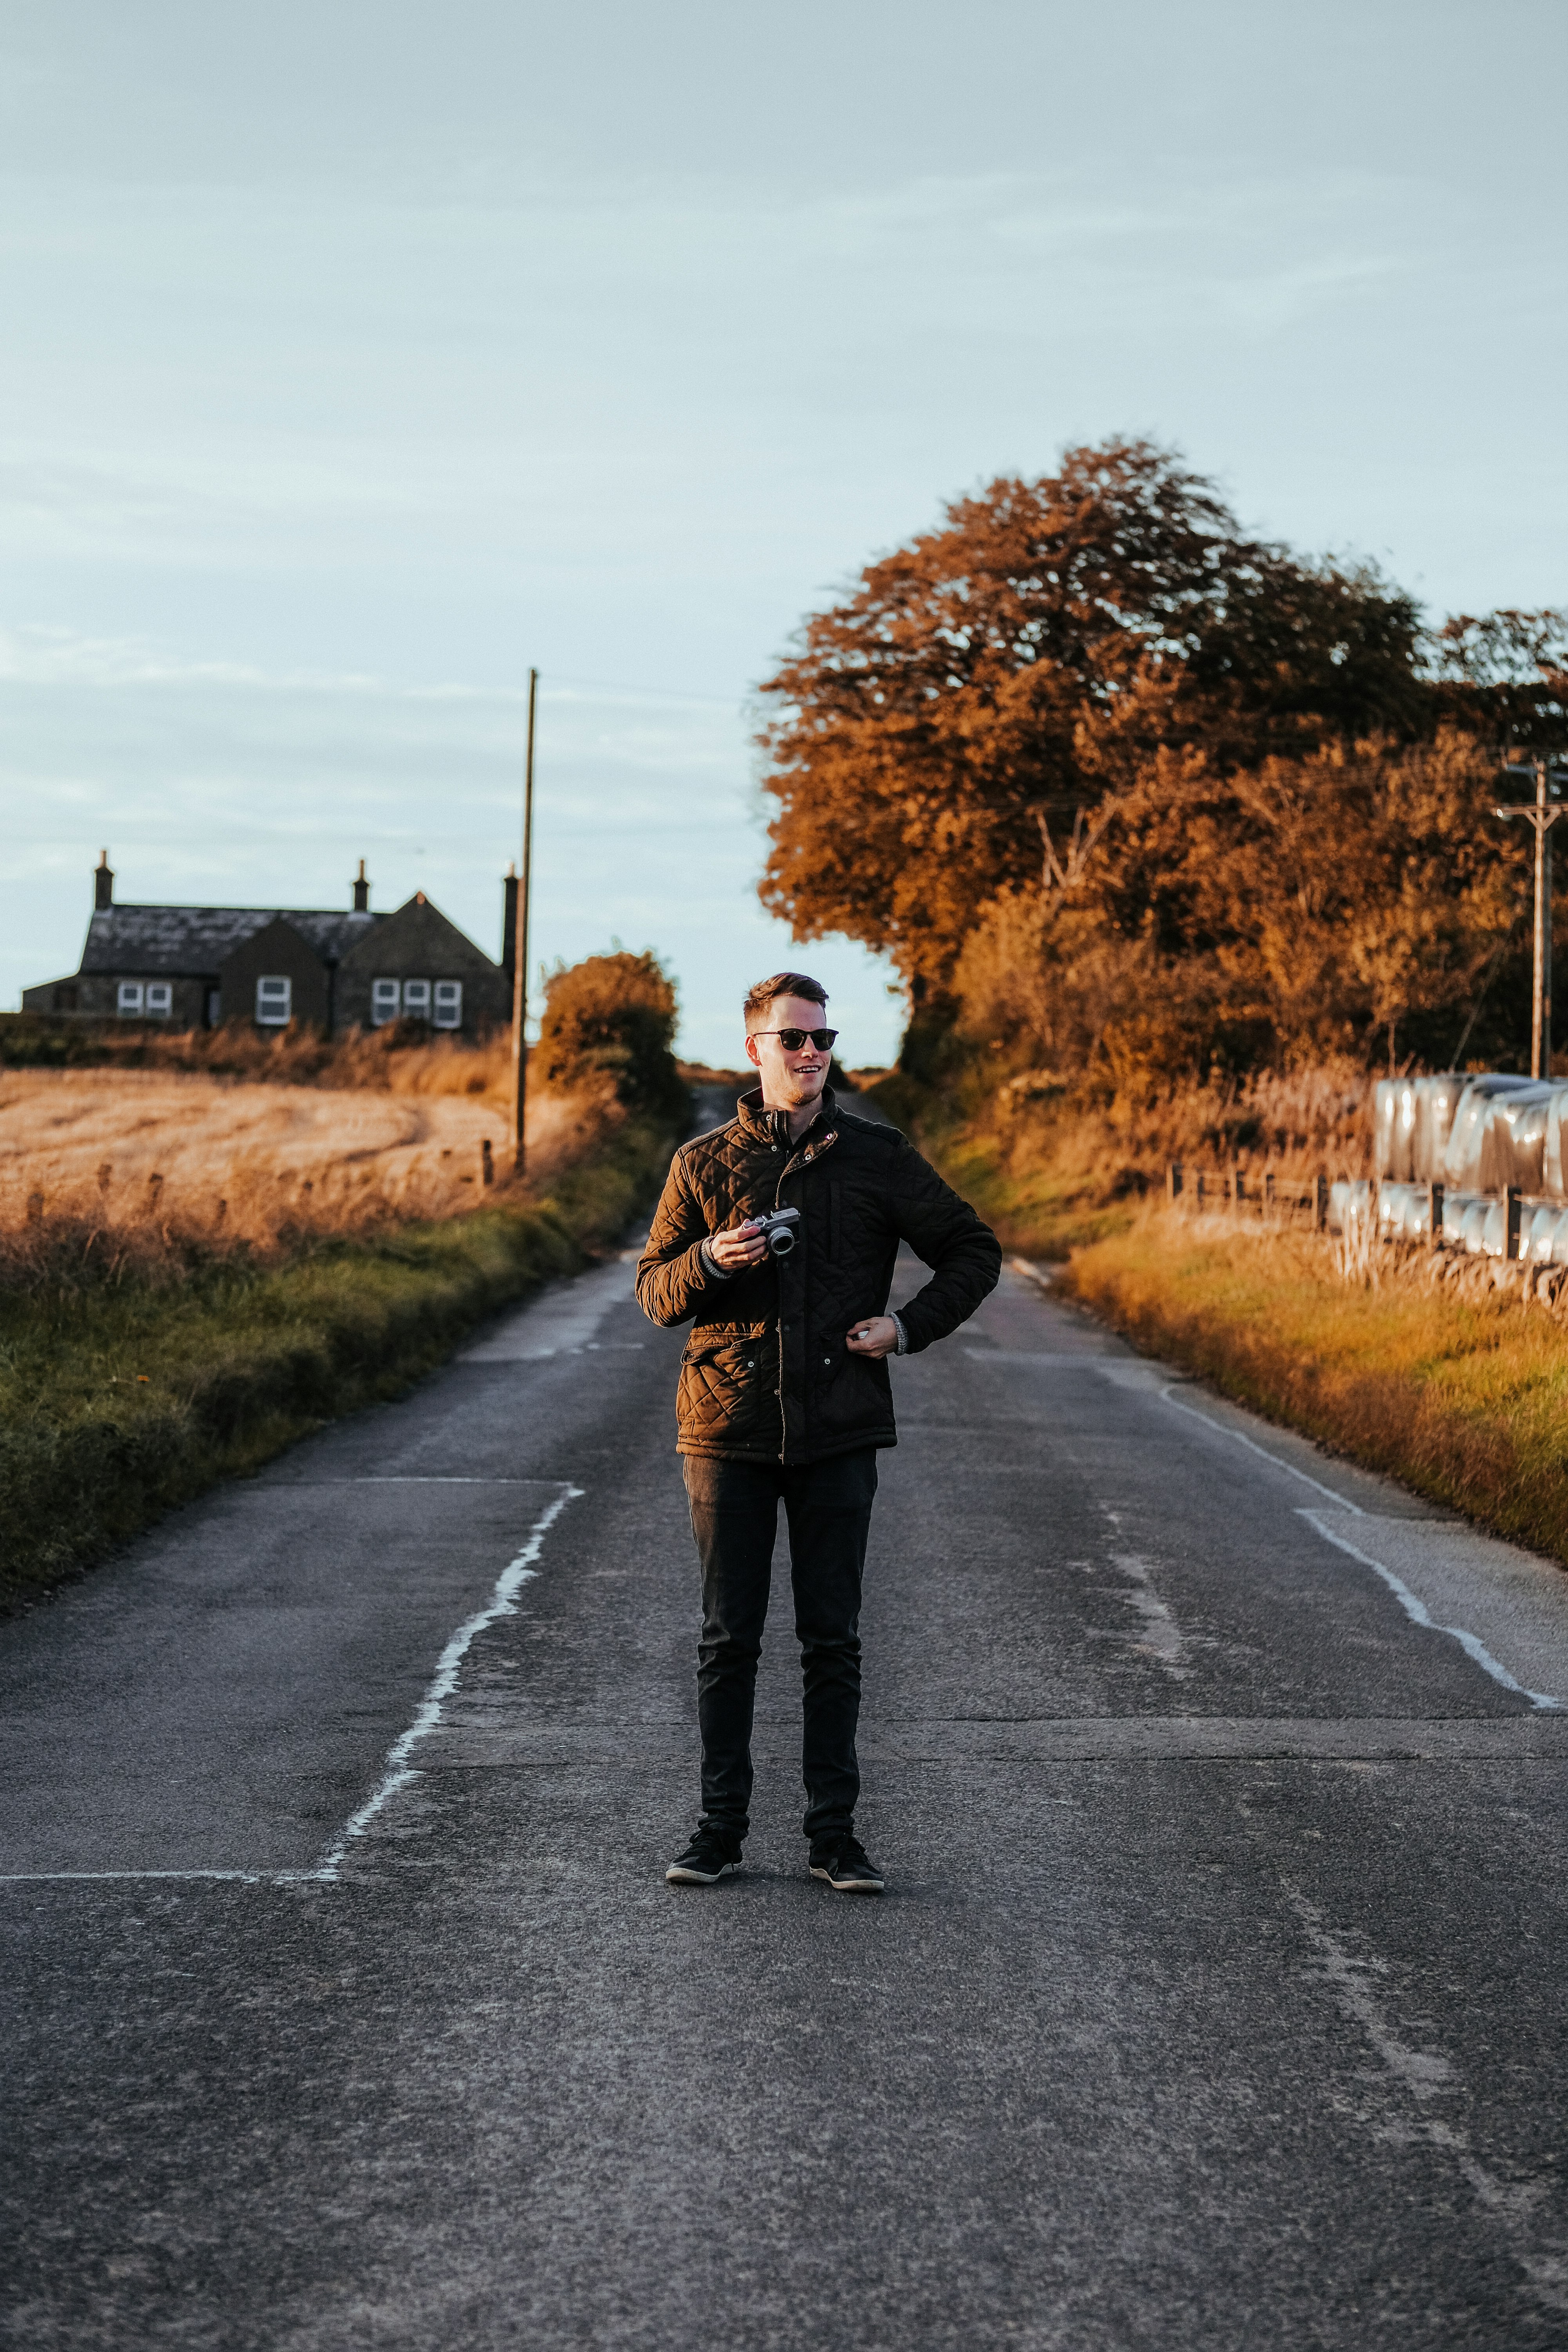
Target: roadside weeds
(118,1404)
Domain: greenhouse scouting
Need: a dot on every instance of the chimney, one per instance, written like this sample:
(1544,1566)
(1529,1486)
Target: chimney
(509,923)
(361,892)
(102,883)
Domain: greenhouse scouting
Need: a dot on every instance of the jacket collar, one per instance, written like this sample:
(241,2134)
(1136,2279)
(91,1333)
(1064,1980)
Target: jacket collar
(773,1126)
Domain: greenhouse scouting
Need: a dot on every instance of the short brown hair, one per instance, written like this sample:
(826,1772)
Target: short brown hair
(783,984)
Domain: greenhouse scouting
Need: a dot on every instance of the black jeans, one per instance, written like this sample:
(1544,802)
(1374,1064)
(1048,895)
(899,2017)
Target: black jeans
(734,1517)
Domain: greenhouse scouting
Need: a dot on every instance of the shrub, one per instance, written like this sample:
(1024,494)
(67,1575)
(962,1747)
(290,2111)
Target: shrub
(610,1020)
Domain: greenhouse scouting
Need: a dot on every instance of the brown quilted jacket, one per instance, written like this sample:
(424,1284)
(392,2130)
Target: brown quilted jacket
(766,1375)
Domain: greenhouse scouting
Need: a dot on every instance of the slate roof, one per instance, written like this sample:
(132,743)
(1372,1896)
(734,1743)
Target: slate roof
(194,941)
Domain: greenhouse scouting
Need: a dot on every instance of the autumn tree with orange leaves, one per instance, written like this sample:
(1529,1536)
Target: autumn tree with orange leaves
(1184,783)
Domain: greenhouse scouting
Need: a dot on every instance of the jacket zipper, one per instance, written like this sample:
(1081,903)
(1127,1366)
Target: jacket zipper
(801,1159)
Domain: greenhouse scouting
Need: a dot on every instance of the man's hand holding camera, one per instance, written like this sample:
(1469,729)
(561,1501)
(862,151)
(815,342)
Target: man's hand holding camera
(741,1247)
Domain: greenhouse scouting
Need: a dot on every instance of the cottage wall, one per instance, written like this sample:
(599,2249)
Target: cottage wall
(94,996)
(417,943)
(276,949)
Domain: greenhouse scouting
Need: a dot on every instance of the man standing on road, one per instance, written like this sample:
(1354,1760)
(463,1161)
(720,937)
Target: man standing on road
(785,1396)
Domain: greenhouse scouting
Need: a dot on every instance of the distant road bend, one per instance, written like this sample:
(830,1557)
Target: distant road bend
(1214,2001)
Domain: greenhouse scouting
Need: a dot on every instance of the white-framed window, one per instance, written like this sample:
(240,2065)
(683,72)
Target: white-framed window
(385,996)
(160,999)
(416,999)
(449,1012)
(129,1002)
(274,1000)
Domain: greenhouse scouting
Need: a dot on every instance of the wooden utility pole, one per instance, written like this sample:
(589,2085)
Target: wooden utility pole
(520,945)
(1543,814)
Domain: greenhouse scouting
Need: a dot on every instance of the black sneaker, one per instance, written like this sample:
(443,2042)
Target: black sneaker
(709,1857)
(844,1863)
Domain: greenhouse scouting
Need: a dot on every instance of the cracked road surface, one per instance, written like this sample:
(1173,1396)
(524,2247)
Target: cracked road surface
(1213,2001)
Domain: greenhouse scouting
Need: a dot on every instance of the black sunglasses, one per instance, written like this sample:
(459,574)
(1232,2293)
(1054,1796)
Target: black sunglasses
(792,1040)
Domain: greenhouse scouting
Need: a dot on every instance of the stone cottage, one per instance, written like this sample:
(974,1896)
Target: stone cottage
(331,970)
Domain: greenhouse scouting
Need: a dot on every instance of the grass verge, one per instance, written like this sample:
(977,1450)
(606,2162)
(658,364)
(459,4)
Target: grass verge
(117,1404)
(1462,1399)
(1038,1194)
(1043,1208)
(1052,1167)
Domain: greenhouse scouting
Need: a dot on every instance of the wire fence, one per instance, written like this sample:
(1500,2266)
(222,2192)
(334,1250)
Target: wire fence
(1471,1161)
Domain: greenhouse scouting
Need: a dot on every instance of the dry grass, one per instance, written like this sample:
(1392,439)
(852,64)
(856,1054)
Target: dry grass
(120,1397)
(1052,1171)
(1413,1366)
(110,1169)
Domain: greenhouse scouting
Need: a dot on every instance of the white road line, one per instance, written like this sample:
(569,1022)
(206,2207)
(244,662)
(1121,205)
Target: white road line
(1419,1614)
(1414,1609)
(1162,1635)
(1123,1371)
(443,1682)
(1340,1502)
(1424,2075)
(398,1772)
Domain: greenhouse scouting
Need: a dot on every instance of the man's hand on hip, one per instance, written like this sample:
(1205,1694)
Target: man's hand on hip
(738,1248)
(874,1335)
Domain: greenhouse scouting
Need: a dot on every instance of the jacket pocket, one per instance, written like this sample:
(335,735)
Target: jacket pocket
(729,1381)
(848,1392)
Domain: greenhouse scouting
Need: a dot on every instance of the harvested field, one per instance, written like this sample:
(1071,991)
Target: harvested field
(236,1160)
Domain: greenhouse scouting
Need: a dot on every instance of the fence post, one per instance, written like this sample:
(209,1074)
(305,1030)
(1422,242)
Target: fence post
(487,1162)
(1320,1205)
(1268,1193)
(1201,1187)
(1173,1180)
(1237,1183)
(1434,1215)
(1510,1235)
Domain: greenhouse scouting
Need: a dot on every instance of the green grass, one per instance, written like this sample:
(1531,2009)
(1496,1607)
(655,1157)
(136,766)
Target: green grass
(1464,1399)
(117,1403)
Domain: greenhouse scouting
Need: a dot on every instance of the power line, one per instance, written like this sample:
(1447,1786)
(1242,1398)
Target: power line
(650,693)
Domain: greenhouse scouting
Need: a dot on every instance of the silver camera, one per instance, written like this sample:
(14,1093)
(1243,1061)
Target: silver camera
(777,1229)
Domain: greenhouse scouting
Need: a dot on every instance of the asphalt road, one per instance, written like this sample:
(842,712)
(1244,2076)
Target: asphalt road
(1215,2001)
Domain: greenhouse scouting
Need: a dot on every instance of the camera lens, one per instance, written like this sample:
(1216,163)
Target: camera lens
(781,1242)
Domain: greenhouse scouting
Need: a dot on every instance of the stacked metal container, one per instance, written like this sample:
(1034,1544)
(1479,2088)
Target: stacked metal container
(1476,1137)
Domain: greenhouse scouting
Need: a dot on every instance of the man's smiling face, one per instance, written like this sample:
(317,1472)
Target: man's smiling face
(791,1081)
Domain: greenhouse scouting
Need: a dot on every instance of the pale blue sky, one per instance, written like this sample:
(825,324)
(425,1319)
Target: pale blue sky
(356,356)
